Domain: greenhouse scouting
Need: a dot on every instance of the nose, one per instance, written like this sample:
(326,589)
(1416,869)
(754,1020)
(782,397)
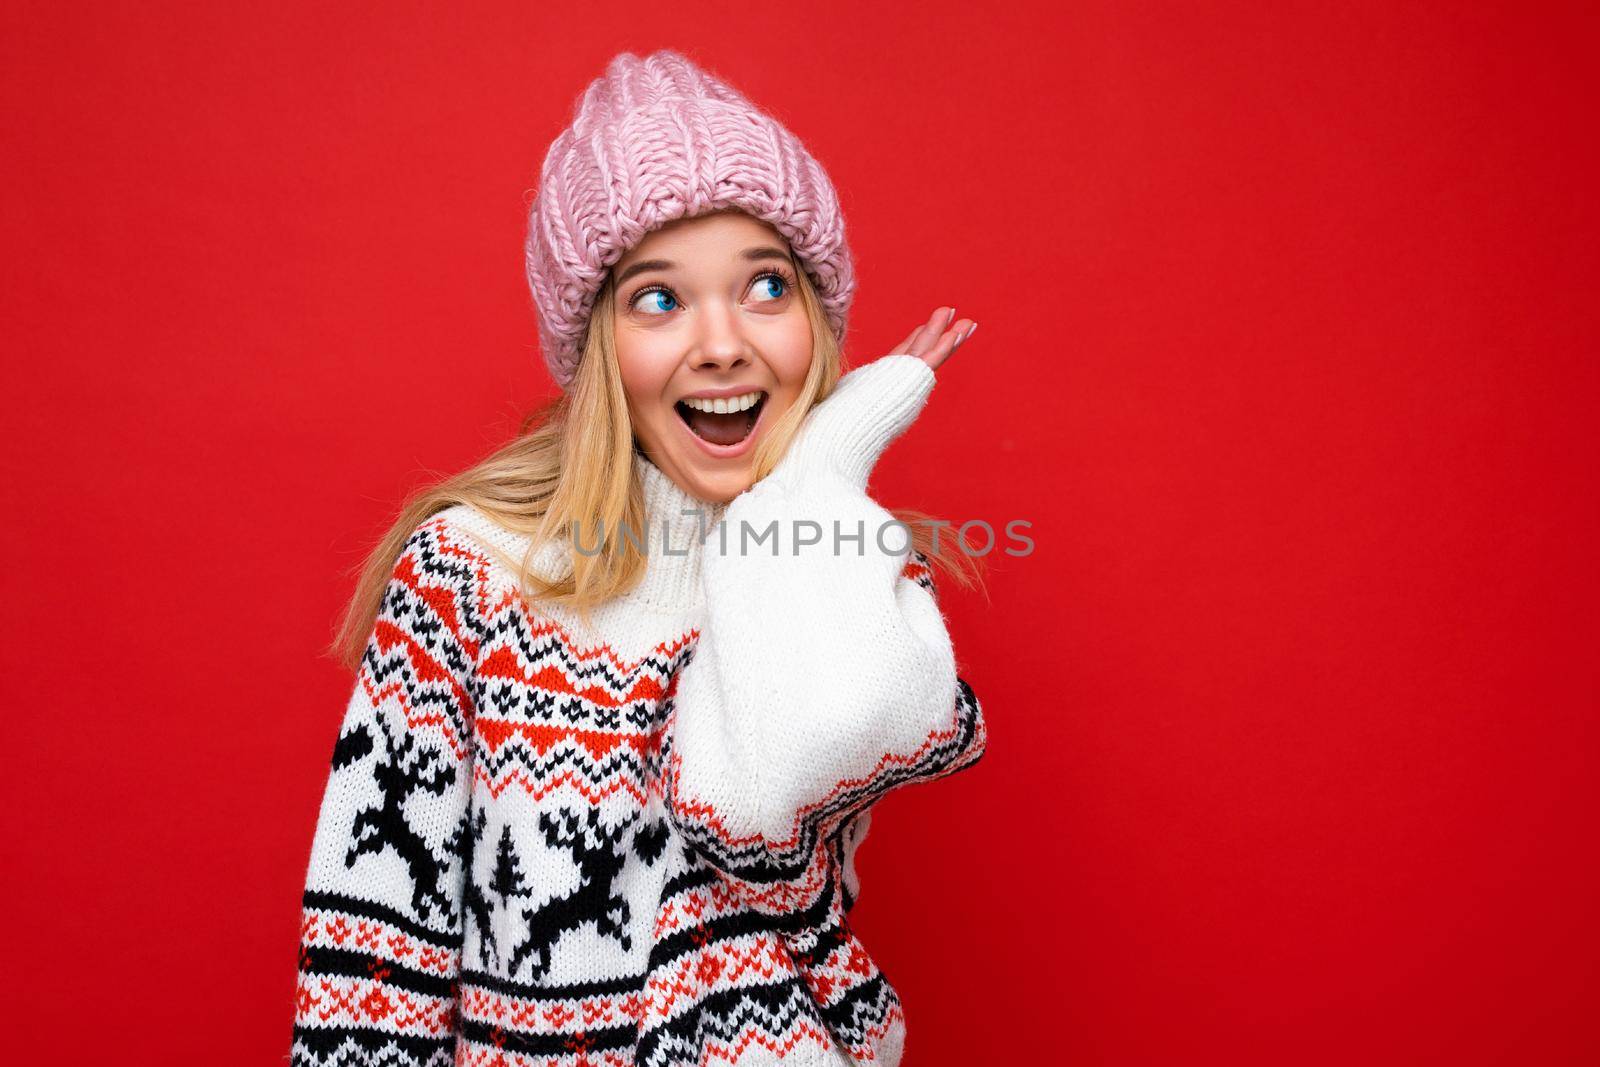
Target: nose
(719,342)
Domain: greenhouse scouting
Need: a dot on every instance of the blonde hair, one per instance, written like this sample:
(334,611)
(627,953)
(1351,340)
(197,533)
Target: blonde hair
(572,461)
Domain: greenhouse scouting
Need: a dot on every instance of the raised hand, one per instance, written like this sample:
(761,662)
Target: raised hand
(937,339)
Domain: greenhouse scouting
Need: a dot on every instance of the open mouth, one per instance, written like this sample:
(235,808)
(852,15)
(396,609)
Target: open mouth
(727,427)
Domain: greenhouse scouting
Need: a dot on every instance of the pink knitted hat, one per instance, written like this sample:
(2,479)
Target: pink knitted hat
(658,139)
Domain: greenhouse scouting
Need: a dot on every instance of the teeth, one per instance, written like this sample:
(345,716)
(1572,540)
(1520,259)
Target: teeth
(726,405)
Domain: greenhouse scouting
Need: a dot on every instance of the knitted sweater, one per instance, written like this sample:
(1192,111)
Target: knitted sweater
(633,842)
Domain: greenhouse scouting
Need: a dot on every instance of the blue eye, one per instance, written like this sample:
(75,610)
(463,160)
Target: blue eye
(775,279)
(643,300)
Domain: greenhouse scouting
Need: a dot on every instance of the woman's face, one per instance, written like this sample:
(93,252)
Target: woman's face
(708,311)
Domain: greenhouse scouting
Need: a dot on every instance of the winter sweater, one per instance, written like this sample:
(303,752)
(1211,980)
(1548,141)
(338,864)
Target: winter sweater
(633,841)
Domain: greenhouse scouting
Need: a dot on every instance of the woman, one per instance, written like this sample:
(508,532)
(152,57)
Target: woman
(628,689)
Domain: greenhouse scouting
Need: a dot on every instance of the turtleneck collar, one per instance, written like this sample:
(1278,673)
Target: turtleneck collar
(675,528)
(676,525)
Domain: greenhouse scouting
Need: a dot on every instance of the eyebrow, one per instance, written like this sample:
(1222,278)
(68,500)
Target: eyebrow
(750,255)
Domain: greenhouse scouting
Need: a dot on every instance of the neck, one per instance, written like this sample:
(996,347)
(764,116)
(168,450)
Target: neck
(675,525)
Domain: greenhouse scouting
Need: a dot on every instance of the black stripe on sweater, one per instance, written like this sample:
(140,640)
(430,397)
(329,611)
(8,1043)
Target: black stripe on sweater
(725,1015)
(367,909)
(319,1046)
(604,1039)
(360,963)
(510,988)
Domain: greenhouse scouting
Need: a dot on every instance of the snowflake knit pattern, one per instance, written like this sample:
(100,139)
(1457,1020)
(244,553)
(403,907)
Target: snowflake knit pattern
(545,844)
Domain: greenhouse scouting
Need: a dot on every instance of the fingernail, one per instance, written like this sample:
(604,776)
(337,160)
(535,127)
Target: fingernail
(948,319)
(970,331)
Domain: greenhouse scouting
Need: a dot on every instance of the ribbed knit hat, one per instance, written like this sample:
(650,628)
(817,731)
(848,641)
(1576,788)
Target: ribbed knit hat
(658,139)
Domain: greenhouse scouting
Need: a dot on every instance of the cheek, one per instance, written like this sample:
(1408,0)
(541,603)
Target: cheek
(790,353)
(645,370)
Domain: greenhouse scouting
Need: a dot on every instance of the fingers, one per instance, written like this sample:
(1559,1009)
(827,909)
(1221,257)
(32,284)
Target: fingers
(943,345)
(929,334)
(910,342)
(918,336)
(937,339)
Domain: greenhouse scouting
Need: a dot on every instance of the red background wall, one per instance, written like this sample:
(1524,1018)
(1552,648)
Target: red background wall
(1287,349)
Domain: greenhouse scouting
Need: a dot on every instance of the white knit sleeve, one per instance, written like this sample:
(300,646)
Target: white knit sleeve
(824,676)
(382,924)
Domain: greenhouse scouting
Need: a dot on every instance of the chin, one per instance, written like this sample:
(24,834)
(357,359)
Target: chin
(708,487)
(721,490)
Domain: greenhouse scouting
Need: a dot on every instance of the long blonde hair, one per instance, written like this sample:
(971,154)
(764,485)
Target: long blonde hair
(572,461)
